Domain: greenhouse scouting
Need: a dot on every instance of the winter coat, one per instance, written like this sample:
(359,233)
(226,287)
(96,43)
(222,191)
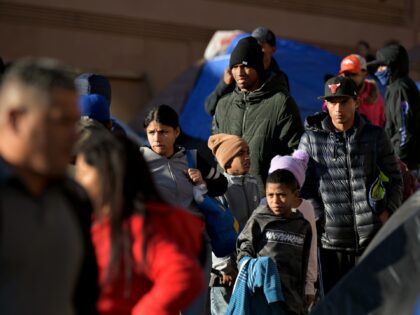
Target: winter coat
(268,120)
(222,88)
(402,104)
(169,175)
(258,289)
(287,241)
(372,104)
(342,168)
(166,274)
(47,259)
(242,197)
(308,213)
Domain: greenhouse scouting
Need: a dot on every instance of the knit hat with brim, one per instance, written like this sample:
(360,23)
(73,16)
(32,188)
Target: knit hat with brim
(225,147)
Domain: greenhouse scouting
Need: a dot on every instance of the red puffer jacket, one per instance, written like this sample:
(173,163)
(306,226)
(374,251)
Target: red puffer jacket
(170,277)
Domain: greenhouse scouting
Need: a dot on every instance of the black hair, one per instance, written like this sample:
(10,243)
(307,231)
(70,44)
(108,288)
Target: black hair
(328,76)
(126,184)
(391,42)
(2,67)
(284,177)
(363,43)
(42,73)
(163,114)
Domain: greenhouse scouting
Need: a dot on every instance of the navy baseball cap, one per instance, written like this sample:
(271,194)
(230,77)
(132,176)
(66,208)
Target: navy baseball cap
(94,106)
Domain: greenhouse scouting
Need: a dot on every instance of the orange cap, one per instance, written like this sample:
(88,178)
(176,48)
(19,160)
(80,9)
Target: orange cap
(353,64)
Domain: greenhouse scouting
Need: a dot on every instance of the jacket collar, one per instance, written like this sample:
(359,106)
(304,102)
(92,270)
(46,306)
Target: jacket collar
(239,179)
(321,122)
(8,175)
(6,172)
(265,210)
(269,87)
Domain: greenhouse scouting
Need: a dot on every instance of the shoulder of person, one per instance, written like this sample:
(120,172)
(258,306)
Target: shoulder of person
(73,190)
(79,199)
(225,98)
(371,129)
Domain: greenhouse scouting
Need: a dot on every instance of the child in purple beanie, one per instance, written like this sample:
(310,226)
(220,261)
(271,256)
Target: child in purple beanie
(297,164)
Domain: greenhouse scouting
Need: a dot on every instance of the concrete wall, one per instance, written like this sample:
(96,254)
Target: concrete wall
(143,45)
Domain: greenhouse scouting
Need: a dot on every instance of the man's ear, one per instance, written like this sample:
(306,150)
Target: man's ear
(357,103)
(14,116)
(177,131)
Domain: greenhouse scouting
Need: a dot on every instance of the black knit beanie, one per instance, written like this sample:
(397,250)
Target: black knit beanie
(248,53)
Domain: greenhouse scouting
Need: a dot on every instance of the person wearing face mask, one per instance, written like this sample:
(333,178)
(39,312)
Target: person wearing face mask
(402,103)
(371,104)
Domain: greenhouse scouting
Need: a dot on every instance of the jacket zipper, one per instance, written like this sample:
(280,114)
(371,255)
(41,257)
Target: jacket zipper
(347,141)
(246,197)
(244,118)
(176,184)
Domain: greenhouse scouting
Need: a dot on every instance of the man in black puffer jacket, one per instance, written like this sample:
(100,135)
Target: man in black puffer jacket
(258,110)
(350,162)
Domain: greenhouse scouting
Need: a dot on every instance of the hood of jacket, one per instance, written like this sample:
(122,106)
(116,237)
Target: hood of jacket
(272,85)
(239,179)
(321,122)
(265,215)
(396,58)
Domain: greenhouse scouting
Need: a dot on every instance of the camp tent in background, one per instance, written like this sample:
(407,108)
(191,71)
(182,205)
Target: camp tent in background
(305,66)
(386,281)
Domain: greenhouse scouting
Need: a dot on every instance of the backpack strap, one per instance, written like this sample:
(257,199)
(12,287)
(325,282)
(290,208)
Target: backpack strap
(191,158)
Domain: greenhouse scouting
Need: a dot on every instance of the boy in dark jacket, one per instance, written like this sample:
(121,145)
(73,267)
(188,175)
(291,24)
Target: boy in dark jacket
(242,197)
(274,230)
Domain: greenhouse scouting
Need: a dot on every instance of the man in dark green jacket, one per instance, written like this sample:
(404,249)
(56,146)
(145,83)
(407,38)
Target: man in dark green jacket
(226,85)
(258,110)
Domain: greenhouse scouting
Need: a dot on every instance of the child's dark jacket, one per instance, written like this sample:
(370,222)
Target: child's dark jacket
(287,241)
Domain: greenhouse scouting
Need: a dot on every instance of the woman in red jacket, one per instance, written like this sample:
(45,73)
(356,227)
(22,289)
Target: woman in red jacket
(147,252)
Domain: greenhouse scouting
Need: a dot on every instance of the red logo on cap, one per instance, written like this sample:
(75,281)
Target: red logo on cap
(334,87)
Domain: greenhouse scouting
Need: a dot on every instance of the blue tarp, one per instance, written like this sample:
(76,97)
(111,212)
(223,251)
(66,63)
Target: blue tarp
(305,66)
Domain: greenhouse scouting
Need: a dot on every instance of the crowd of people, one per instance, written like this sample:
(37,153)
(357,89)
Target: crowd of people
(91,222)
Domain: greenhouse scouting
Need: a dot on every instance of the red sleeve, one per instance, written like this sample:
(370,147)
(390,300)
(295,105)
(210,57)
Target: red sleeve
(177,278)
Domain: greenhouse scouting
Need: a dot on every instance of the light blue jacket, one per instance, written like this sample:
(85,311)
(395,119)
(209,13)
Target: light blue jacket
(257,289)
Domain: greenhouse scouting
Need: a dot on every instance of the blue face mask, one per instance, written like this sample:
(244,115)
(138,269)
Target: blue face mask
(383,76)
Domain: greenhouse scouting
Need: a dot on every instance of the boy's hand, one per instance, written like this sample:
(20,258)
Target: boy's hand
(195,176)
(228,77)
(229,279)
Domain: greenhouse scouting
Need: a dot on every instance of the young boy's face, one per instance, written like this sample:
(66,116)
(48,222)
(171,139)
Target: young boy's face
(241,163)
(280,198)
